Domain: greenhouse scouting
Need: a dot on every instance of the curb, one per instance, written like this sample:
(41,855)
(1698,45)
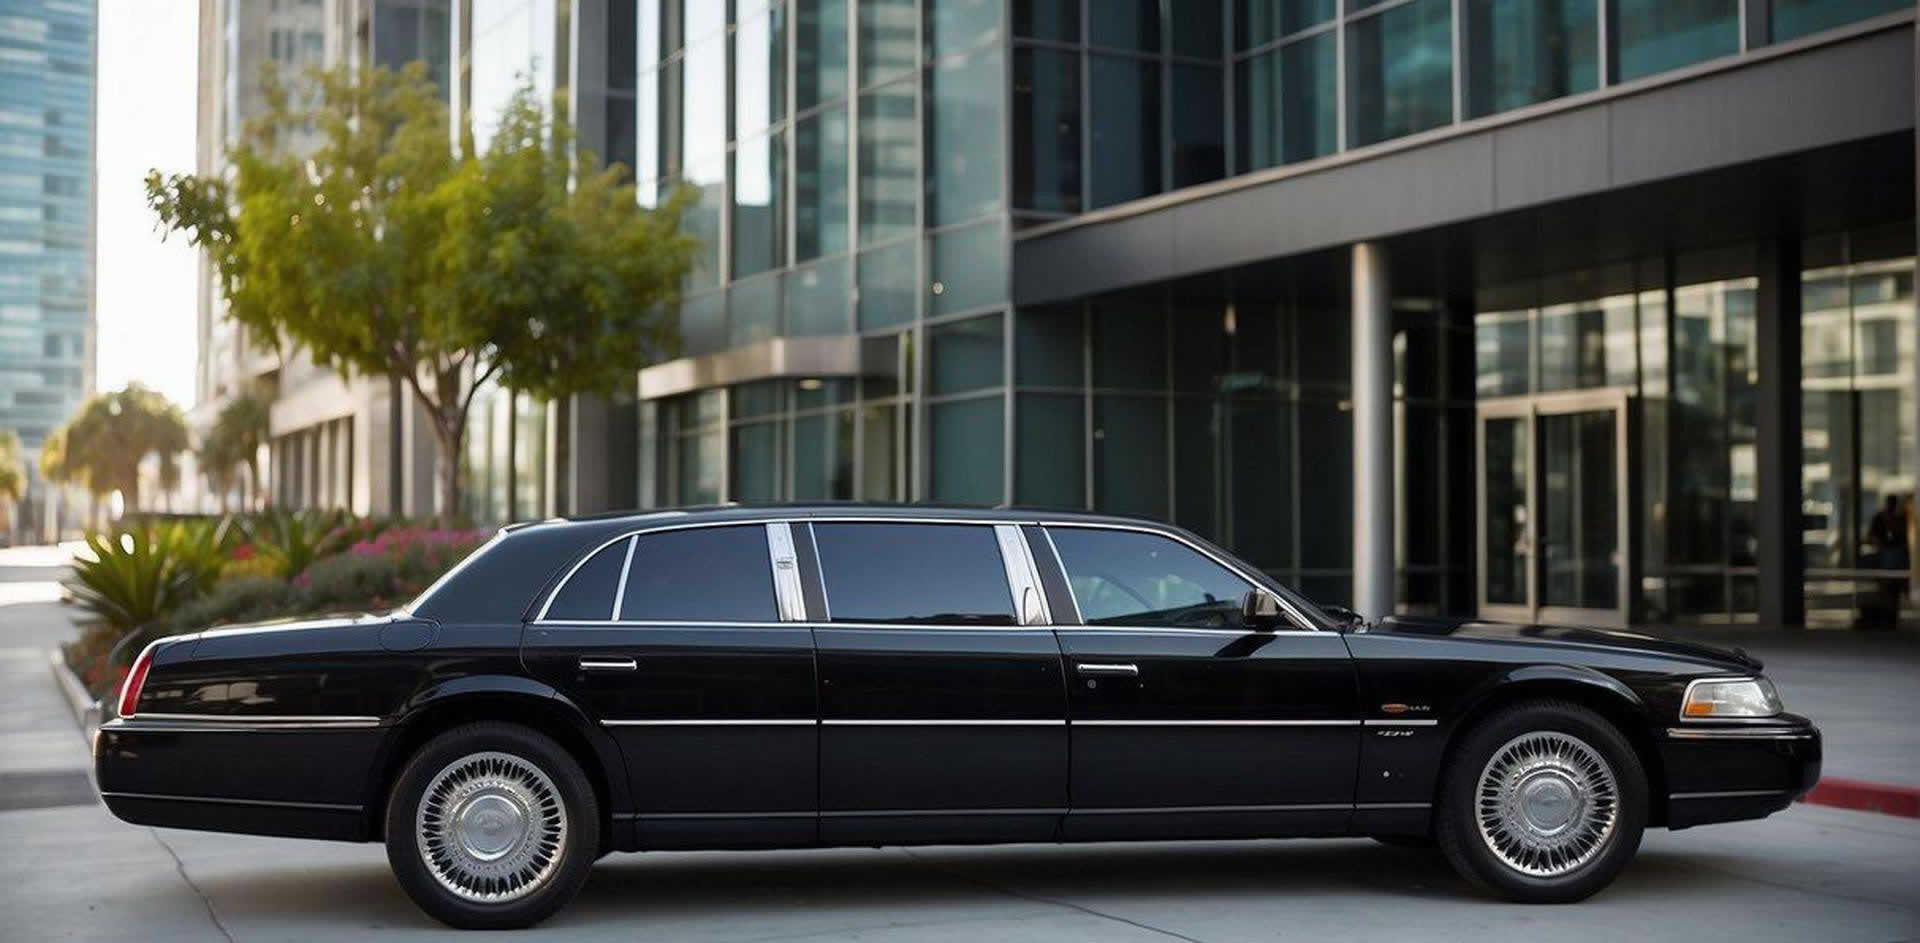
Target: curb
(1902,801)
(86,710)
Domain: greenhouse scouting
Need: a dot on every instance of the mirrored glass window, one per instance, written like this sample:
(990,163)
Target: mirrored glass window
(1046,128)
(913,573)
(889,39)
(1651,36)
(958,25)
(759,215)
(964,104)
(889,163)
(1795,18)
(817,299)
(1526,51)
(889,285)
(1058,20)
(1124,24)
(1262,21)
(759,71)
(967,448)
(967,355)
(820,52)
(1199,125)
(1400,71)
(820,184)
(1050,450)
(969,267)
(1125,127)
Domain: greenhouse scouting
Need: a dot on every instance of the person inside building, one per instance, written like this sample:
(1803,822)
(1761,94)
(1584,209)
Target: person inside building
(1887,550)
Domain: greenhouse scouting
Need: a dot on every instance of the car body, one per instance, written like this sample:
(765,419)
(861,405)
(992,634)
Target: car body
(783,677)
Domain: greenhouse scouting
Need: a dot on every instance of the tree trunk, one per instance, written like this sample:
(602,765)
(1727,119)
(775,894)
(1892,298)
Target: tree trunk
(448,432)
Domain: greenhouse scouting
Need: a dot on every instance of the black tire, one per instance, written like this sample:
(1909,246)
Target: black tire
(560,864)
(1472,853)
(1409,842)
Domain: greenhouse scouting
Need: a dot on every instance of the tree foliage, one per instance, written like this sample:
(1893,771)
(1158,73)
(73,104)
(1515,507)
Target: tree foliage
(13,471)
(102,446)
(387,253)
(233,442)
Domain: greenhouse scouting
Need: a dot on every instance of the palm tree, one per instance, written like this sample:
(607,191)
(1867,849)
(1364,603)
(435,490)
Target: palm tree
(101,448)
(238,431)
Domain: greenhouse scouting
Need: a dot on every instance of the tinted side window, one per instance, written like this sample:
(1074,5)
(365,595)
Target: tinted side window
(589,593)
(1131,578)
(913,573)
(712,574)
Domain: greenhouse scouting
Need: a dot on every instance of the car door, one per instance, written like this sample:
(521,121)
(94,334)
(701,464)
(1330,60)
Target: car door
(1185,722)
(678,641)
(943,709)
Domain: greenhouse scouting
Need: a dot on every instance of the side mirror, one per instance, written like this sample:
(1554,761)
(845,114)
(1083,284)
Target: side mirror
(1259,610)
(1347,617)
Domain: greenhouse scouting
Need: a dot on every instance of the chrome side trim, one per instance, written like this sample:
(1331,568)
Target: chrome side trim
(218,800)
(786,572)
(1739,733)
(1152,630)
(1176,809)
(1299,619)
(1428,722)
(1029,600)
(620,588)
(1142,810)
(670,816)
(1729,794)
(1392,805)
(943,722)
(729,722)
(174,722)
(667,624)
(881,813)
(1216,723)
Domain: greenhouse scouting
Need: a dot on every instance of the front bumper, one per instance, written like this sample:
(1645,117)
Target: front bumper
(1726,773)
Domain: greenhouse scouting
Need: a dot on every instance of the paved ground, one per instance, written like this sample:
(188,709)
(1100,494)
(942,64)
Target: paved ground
(68,870)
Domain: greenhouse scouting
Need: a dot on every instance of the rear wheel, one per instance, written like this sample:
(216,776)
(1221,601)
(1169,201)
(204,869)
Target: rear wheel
(492,826)
(1543,802)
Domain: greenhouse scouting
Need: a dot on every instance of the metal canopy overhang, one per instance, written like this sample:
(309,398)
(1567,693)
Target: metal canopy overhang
(1798,119)
(835,356)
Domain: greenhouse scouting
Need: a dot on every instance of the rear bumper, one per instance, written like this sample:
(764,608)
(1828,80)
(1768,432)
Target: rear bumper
(1728,773)
(224,776)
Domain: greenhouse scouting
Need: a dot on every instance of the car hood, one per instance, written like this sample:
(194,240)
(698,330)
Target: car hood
(1573,635)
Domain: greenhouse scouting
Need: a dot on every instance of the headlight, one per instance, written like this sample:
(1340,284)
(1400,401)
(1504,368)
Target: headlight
(1716,698)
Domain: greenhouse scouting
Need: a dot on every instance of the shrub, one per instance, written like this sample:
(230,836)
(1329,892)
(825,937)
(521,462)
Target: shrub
(236,600)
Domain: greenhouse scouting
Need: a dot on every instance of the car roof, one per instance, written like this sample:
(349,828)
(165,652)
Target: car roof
(723,513)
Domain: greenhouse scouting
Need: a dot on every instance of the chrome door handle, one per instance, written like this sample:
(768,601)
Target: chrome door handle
(609,664)
(1095,668)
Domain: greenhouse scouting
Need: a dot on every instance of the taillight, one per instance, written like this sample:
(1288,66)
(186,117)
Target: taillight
(136,678)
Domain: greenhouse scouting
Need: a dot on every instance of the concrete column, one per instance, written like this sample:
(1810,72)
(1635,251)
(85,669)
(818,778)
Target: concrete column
(1777,439)
(1372,432)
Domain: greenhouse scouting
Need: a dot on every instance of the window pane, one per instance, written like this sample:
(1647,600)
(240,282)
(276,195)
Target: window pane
(1258,118)
(702,220)
(1307,110)
(753,400)
(967,446)
(1326,486)
(889,164)
(913,573)
(888,39)
(817,299)
(967,355)
(889,285)
(703,324)
(1793,18)
(963,130)
(1401,80)
(1262,21)
(1196,453)
(1050,452)
(701,466)
(753,310)
(1126,129)
(1526,51)
(1047,19)
(1047,347)
(1196,30)
(1129,345)
(759,218)
(1046,128)
(717,574)
(1130,455)
(969,267)
(820,52)
(820,185)
(1652,36)
(823,457)
(958,25)
(759,71)
(1128,578)
(1199,126)
(880,453)
(703,127)
(589,592)
(1124,24)
(755,462)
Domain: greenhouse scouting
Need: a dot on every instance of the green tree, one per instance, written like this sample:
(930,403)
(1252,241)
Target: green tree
(233,442)
(387,253)
(102,446)
(13,472)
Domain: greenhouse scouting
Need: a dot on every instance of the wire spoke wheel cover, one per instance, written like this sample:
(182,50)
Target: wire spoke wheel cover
(1546,803)
(491,827)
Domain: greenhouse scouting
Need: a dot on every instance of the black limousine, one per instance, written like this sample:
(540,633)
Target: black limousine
(792,677)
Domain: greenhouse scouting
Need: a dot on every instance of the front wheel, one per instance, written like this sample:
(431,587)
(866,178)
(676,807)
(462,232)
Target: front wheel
(492,826)
(1543,802)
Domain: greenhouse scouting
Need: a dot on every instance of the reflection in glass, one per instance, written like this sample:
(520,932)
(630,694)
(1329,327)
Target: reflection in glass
(1262,21)
(759,217)
(1527,51)
(963,154)
(511,39)
(1199,133)
(880,441)
(1794,18)
(889,164)
(1129,455)
(702,220)
(759,71)
(1058,20)
(1505,461)
(888,285)
(1258,459)
(1047,346)
(1308,74)
(969,267)
(1579,529)
(1400,76)
(1501,355)
(1129,345)
(1046,128)
(967,447)
(1587,344)
(823,456)
(817,299)
(1196,29)
(701,465)
(889,39)
(967,355)
(703,128)
(1126,128)
(753,310)
(1124,24)
(1650,36)
(755,457)
(820,185)
(958,25)
(1050,451)
(703,324)
(820,52)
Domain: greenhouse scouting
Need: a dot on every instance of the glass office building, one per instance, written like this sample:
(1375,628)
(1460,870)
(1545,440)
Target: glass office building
(46,214)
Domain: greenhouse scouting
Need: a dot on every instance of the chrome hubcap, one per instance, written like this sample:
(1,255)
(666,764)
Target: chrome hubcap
(491,827)
(1546,803)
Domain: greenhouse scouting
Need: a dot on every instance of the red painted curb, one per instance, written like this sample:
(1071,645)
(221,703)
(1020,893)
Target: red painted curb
(1903,801)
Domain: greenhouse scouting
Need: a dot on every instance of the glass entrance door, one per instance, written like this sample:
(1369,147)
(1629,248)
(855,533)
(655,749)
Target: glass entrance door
(1552,525)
